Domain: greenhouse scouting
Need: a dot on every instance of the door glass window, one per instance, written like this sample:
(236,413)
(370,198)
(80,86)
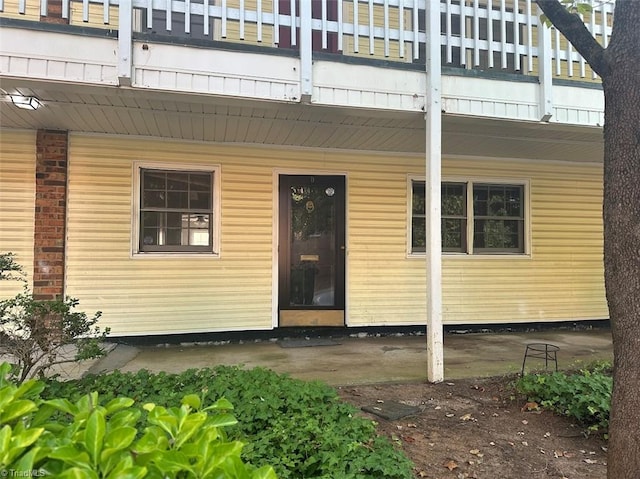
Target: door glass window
(312,245)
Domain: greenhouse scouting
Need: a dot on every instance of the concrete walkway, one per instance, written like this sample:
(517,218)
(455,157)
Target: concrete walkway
(367,360)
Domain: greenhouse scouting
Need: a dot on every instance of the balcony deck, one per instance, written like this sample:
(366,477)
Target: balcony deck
(362,61)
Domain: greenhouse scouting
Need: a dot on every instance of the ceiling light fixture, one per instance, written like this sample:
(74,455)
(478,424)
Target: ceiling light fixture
(25,102)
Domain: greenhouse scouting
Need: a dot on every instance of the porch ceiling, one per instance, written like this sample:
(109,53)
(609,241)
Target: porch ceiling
(228,120)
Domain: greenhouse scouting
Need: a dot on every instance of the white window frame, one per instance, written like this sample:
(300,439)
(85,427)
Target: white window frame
(470,181)
(138,166)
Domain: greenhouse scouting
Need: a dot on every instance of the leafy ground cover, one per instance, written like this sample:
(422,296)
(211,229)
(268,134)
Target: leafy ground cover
(484,429)
(302,429)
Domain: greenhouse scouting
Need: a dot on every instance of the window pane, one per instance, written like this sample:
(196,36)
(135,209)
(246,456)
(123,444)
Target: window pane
(198,182)
(200,201)
(153,199)
(503,235)
(178,200)
(480,200)
(453,202)
(453,233)
(153,180)
(177,181)
(418,235)
(418,198)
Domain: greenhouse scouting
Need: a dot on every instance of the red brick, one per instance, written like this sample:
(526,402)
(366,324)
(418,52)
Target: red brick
(50,212)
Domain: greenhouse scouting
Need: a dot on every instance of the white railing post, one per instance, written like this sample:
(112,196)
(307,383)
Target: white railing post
(306,58)
(545,68)
(125,42)
(433,161)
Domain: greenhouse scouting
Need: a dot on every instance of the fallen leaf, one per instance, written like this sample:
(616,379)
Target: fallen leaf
(450,414)
(466,417)
(568,454)
(525,443)
(525,422)
(591,461)
(530,406)
(411,425)
(558,453)
(451,384)
(451,465)
(422,474)
(409,439)
(437,407)
(474,451)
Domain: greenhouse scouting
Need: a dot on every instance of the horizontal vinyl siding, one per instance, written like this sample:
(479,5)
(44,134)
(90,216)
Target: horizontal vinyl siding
(166,294)
(563,277)
(17,200)
(560,280)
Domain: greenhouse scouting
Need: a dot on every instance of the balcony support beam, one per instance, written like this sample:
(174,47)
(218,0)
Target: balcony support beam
(306,55)
(125,42)
(433,162)
(545,67)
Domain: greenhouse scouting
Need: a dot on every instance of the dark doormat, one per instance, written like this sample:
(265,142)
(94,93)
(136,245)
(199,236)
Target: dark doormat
(391,410)
(307,343)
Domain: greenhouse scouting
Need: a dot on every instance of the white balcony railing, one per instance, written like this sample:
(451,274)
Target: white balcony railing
(489,34)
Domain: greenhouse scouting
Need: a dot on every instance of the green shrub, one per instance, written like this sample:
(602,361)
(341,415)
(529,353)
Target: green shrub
(584,396)
(93,438)
(35,334)
(301,428)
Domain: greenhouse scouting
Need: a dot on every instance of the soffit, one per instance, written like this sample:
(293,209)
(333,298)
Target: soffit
(229,120)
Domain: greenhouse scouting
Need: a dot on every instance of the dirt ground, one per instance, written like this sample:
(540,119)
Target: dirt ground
(477,429)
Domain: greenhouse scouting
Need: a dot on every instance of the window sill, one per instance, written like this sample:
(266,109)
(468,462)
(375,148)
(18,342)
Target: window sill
(503,256)
(176,255)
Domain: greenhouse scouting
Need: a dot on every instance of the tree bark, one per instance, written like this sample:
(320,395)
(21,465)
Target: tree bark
(619,67)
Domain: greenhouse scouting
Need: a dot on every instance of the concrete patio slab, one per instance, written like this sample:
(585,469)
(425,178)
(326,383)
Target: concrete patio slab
(367,360)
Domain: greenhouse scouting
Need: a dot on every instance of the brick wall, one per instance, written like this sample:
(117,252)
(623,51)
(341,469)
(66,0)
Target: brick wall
(50,214)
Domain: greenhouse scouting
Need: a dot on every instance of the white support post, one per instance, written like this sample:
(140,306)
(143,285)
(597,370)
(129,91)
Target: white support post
(433,119)
(306,58)
(545,68)
(125,42)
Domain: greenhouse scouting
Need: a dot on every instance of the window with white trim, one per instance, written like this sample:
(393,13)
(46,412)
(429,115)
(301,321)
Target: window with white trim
(477,217)
(176,210)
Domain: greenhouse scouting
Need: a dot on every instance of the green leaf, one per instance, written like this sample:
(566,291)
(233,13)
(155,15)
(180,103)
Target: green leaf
(191,400)
(120,438)
(221,403)
(94,435)
(173,461)
(222,420)
(27,437)
(63,405)
(78,473)
(17,409)
(70,455)
(5,440)
(265,472)
(118,404)
(134,472)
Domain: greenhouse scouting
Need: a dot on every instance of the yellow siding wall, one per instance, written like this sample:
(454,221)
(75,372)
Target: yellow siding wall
(561,280)
(17,201)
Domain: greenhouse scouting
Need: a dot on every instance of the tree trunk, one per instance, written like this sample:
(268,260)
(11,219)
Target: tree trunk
(619,67)
(622,235)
